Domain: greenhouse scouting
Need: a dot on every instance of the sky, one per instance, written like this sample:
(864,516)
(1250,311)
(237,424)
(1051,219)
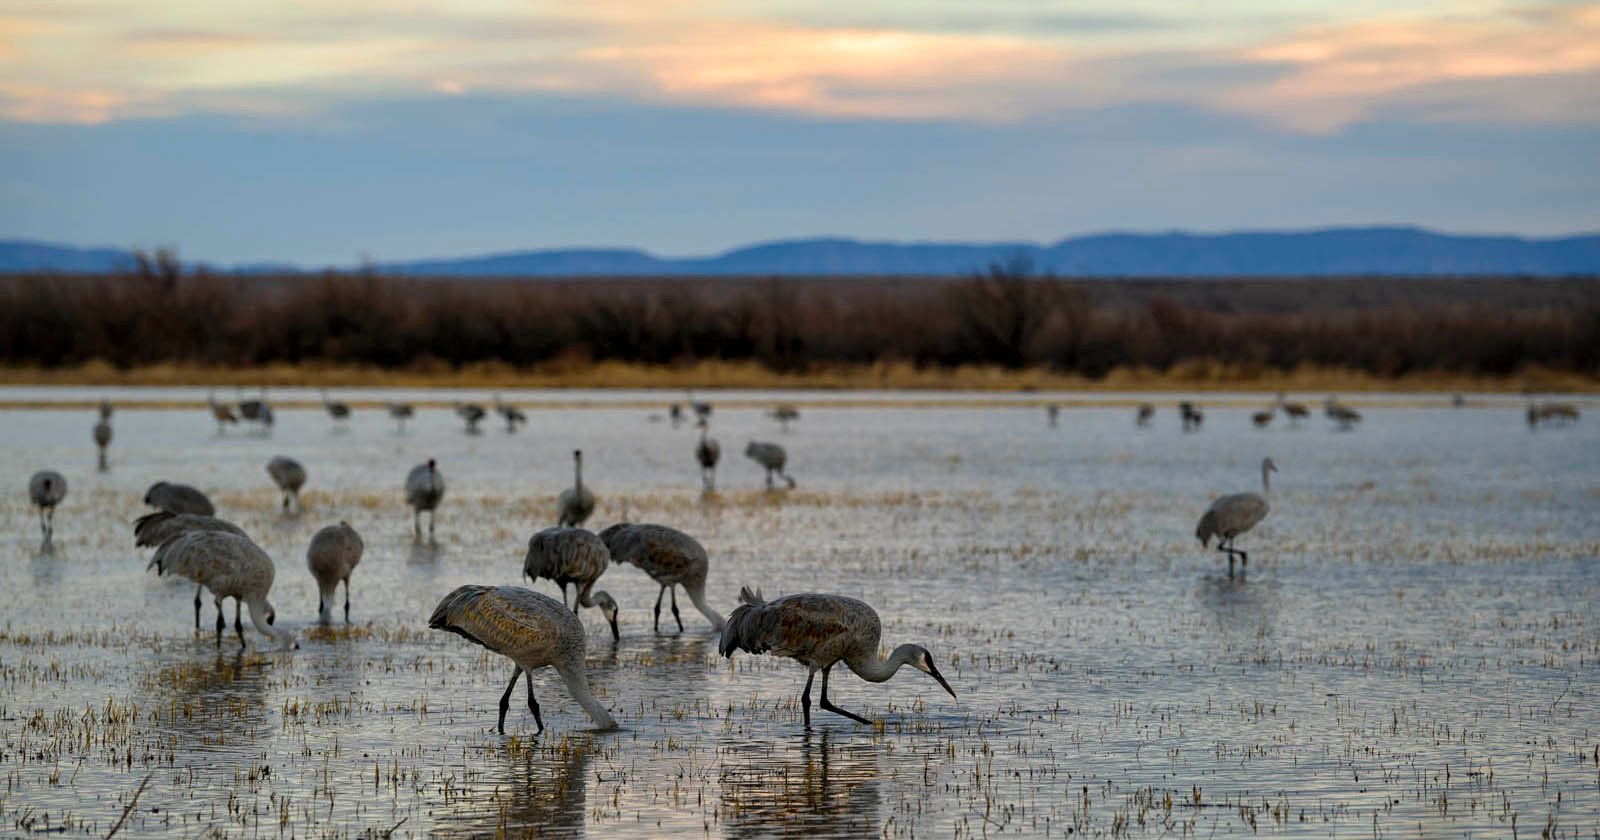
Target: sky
(332,131)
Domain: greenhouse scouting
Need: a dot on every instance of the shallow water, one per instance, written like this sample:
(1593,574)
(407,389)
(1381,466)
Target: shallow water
(1415,649)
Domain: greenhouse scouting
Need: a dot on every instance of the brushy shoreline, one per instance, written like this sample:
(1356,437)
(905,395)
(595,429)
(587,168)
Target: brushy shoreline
(1185,377)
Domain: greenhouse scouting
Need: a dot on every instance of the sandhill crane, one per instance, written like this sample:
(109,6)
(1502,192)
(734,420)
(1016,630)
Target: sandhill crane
(1293,410)
(333,554)
(471,414)
(708,452)
(336,409)
(1146,411)
(1234,514)
(1191,415)
(106,409)
(46,489)
(1457,401)
(572,556)
(772,458)
(153,529)
(702,410)
(820,631)
(1261,419)
(531,630)
(576,502)
(510,413)
(221,412)
(1343,415)
(258,411)
(287,473)
(231,566)
(424,490)
(1052,413)
(178,498)
(102,439)
(1552,412)
(670,557)
(401,412)
(675,411)
(785,414)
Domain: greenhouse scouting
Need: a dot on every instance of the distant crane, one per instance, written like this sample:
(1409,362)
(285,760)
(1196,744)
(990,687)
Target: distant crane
(231,566)
(772,458)
(1052,413)
(670,557)
(221,412)
(577,557)
(1552,412)
(510,413)
(575,503)
(531,630)
(707,452)
(1191,415)
(178,498)
(702,410)
(290,476)
(401,412)
(1262,419)
(1344,416)
(785,414)
(153,529)
(339,411)
(334,553)
(1234,514)
(102,436)
(472,414)
(46,489)
(820,631)
(675,411)
(424,490)
(257,411)
(1146,411)
(1295,411)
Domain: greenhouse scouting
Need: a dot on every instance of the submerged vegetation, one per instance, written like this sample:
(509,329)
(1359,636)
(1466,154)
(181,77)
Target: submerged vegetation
(1004,319)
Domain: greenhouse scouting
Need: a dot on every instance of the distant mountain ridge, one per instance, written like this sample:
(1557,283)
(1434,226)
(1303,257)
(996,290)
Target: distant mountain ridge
(1333,251)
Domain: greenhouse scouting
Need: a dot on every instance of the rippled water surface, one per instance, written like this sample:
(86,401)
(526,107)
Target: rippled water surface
(1416,648)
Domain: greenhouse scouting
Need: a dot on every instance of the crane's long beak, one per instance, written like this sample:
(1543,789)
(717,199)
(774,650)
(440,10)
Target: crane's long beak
(934,672)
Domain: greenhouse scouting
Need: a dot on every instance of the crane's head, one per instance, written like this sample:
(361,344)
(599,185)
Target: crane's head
(432,465)
(577,454)
(608,608)
(1267,465)
(919,658)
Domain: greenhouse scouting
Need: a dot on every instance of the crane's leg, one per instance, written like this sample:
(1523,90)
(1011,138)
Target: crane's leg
(1223,546)
(346,600)
(433,518)
(533,705)
(102,462)
(805,697)
(835,709)
(238,626)
(286,501)
(505,699)
(416,524)
(222,624)
(44,530)
(659,596)
(790,479)
(675,616)
(197,590)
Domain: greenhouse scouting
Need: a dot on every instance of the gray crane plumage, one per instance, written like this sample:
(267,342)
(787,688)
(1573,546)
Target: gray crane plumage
(46,489)
(577,557)
(1146,411)
(1344,416)
(1232,515)
(290,476)
(510,413)
(336,409)
(178,498)
(221,412)
(772,458)
(1293,410)
(472,414)
(785,414)
(231,566)
(820,631)
(671,558)
(533,631)
(424,491)
(153,529)
(333,555)
(575,503)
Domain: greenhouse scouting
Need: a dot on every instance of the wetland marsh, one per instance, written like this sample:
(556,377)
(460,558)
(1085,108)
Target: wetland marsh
(1415,650)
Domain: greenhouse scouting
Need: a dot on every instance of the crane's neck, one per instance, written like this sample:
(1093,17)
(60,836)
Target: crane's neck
(697,595)
(258,616)
(578,687)
(875,668)
(1265,479)
(577,473)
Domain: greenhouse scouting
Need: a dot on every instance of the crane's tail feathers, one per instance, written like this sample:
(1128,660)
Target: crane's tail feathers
(749,627)
(147,530)
(746,596)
